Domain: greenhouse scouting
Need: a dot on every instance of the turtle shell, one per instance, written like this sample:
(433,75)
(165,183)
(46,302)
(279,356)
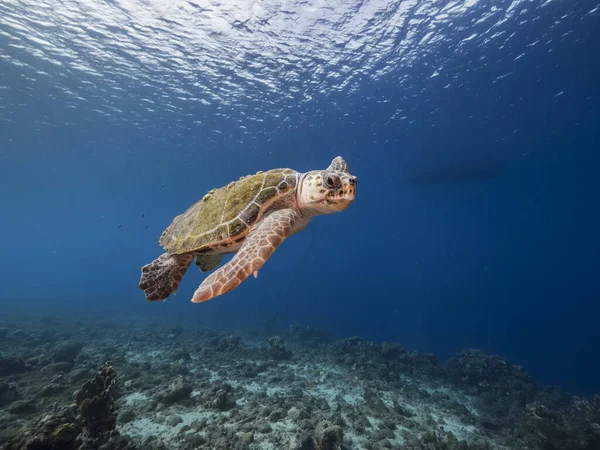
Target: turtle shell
(224,215)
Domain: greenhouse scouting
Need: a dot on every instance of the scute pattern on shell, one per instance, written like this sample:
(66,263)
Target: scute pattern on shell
(226,213)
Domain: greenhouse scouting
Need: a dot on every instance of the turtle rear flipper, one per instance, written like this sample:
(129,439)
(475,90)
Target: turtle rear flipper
(162,276)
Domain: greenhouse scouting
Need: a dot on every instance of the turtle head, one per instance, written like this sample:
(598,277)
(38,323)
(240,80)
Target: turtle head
(327,191)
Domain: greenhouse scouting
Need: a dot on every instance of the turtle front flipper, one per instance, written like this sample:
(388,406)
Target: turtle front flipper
(259,246)
(162,276)
(206,263)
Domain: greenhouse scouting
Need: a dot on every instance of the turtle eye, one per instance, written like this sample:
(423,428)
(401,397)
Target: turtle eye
(332,181)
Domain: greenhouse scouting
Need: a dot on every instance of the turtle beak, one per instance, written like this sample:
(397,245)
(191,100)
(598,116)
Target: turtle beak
(349,189)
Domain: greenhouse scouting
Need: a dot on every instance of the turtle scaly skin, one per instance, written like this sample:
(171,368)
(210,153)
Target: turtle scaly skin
(251,216)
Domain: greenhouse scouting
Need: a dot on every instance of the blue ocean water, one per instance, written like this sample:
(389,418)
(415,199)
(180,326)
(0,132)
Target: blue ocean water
(472,127)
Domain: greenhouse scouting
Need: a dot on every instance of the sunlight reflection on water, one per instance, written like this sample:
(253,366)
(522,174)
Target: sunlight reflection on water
(133,59)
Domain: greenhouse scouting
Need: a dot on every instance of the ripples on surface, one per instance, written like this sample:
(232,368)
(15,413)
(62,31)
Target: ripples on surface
(139,62)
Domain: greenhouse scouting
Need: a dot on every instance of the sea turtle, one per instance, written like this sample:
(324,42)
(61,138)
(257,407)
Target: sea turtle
(251,216)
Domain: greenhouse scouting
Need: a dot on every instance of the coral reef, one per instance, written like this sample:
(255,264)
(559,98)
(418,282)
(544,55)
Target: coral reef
(88,424)
(277,348)
(575,428)
(196,388)
(96,404)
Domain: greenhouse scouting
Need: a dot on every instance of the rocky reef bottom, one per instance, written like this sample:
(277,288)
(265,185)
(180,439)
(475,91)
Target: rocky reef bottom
(77,384)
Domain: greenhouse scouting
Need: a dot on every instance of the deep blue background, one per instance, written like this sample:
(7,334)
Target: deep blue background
(475,224)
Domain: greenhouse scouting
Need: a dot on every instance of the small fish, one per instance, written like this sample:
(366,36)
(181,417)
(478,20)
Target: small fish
(146,227)
(119,226)
(142,215)
(101,217)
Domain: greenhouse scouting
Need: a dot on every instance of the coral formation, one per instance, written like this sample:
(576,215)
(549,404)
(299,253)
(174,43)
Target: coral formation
(197,388)
(66,351)
(277,348)
(90,423)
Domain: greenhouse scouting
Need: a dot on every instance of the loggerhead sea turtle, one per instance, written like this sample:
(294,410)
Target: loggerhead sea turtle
(251,216)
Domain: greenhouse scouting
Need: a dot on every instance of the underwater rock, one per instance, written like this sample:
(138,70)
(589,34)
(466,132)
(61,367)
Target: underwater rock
(57,367)
(57,430)
(179,368)
(44,338)
(62,429)
(178,391)
(391,349)
(374,403)
(21,407)
(66,351)
(301,441)
(502,389)
(402,410)
(471,367)
(576,427)
(351,345)
(296,414)
(277,348)
(277,415)
(230,343)
(387,362)
(33,361)
(11,365)
(220,396)
(174,420)
(20,334)
(328,436)
(324,436)
(247,438)
(444,440)
(109,350)
(78,374)
(416,364)
(248,369)
(194,440)
(262,426)
(52,388)
(225,343)
(492,376)
(180,354)
(3,333)
(357,353)
(8,394)
(127,416)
